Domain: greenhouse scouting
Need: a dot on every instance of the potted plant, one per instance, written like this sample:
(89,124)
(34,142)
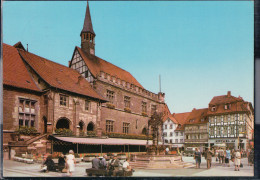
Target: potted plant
(126,109)
(111,106)
(121,156)
(88,158)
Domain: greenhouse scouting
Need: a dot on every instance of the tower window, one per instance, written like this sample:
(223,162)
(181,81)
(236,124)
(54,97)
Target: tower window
(84,36)
(87,36)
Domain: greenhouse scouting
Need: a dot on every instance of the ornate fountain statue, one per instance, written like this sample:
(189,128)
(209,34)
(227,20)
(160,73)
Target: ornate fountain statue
(155,157)
(155,123)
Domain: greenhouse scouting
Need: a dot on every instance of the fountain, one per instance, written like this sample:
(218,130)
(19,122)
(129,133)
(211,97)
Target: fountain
(155,157)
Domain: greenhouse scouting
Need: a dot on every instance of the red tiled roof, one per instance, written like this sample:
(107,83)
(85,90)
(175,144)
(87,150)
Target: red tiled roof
(59,76)
(224,99)
(167,114)
(96,65)
(181,117)
(14,70)
(239,106)
(196,115)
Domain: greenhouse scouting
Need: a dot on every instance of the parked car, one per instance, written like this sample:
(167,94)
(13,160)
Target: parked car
(189,151)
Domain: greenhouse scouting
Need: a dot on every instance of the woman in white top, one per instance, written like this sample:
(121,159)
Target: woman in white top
(70,159)
(237,160)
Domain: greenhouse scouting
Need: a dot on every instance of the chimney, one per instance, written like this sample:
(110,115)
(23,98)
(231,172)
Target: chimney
(229,94)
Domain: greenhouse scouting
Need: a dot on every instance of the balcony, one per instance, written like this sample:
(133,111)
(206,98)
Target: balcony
(196,141)
(196,131)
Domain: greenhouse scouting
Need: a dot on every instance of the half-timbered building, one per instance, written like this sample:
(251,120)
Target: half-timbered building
(231,121)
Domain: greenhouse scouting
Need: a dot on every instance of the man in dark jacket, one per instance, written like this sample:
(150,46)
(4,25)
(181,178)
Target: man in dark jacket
(95,162)
(208,157)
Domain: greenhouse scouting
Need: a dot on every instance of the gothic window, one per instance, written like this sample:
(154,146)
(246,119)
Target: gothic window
(63,100)
(27,112)
(87,105)
(109,126)
(144,107)
(126,128)
(127,101)
(110,96)
(153,109)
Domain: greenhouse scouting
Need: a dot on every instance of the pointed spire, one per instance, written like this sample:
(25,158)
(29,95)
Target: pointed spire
(87,27)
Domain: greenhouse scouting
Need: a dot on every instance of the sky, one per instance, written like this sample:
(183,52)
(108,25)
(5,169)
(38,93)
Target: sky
(200,49)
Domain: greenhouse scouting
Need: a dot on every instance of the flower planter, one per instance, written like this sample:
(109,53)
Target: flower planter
(88,158)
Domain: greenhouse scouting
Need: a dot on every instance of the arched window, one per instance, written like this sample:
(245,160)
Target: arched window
(63,123)
(90,127)
(144,131)
(81,126)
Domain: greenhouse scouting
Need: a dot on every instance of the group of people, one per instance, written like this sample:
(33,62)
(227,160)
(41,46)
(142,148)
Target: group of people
(223,156)
(113,165)
(65,163)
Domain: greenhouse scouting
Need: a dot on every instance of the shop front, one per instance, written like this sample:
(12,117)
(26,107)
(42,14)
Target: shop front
(231,143)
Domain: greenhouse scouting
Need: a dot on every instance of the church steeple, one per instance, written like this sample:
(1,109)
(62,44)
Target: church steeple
(87,34)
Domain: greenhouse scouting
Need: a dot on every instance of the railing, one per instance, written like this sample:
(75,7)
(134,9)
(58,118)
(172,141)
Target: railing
(196,131)
(196,140)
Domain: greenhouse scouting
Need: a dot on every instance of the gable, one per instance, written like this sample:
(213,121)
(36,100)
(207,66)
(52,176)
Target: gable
(79,65)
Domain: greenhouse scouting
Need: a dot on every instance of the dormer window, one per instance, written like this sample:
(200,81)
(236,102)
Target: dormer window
(213,108)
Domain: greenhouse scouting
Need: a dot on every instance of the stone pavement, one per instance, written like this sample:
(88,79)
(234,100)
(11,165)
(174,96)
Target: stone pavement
(18,169)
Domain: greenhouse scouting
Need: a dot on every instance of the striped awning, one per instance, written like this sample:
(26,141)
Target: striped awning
(105,141)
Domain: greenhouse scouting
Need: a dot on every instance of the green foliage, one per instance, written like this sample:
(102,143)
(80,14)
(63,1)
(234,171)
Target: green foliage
(89,155)
(26,130)
(76,155)
(91,133)
(126,136)
(64,132)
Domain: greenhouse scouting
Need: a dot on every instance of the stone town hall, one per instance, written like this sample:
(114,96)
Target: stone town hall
(89,100)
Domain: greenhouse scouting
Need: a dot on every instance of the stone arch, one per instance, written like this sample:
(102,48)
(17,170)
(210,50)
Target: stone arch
(144,131)
(81,126)
(91,126)
(44,124)
(63,123)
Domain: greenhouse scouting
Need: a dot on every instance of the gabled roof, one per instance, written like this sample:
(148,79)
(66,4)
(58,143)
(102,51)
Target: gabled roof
(97,65)
(216,100)
(167,114)
(236,104)
(196,116)
(14,70)
(59,76)
(239,106)
(87,27)
(181,117)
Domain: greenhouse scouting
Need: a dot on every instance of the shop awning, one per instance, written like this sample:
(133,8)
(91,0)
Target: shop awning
(107,141)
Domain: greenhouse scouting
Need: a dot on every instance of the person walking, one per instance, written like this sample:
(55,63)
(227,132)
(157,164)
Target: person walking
(71,161)
(251,157)
(209,154)
(197,157)
(227,157)
(237,160)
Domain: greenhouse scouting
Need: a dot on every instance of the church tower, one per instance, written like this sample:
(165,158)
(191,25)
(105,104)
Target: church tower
(88,35)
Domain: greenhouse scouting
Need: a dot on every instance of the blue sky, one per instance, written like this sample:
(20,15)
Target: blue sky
(201,49)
